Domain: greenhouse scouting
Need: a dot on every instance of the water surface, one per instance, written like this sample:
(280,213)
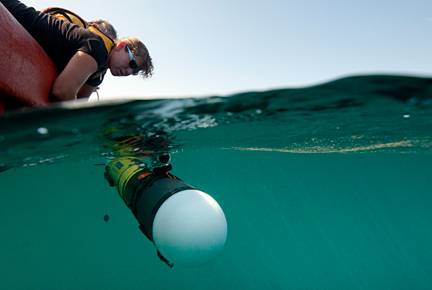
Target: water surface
(325,187)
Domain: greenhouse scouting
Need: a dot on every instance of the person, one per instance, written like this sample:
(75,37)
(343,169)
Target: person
(102,28)
(80,54)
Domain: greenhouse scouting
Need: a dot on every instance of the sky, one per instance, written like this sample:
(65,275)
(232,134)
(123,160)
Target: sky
(220,47)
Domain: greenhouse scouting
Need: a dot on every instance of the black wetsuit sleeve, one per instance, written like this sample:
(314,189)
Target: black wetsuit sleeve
(95,48)
(96,79)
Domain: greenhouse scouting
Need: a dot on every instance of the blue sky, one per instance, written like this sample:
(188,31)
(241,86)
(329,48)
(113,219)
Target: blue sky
(203,48)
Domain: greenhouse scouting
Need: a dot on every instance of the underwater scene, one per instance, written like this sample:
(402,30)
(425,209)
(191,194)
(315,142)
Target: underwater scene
(322,187)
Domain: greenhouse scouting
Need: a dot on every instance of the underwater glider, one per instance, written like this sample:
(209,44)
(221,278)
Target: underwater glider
(187,226)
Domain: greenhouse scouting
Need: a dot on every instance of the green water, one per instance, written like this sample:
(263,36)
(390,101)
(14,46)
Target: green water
(316,195)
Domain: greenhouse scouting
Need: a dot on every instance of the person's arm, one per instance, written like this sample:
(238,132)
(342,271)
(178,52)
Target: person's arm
(72,78)
(85,91)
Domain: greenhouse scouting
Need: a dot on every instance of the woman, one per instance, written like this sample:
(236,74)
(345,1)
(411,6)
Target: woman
(81,55)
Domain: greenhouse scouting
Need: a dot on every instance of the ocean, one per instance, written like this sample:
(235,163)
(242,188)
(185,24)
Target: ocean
(323,187)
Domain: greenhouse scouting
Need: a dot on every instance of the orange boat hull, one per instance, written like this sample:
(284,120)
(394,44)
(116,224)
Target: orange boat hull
(26,71)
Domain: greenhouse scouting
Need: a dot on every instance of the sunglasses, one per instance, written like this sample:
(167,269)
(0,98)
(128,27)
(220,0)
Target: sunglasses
(133,64)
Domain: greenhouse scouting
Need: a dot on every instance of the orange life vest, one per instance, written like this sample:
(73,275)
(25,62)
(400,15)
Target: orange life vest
(72,17)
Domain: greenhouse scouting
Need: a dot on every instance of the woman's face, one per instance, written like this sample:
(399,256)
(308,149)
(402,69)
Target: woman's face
(119,61)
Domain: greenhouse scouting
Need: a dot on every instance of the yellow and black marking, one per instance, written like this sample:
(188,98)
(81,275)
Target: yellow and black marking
(124,173)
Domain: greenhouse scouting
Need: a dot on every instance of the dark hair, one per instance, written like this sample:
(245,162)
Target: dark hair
(105,27)
(141,51)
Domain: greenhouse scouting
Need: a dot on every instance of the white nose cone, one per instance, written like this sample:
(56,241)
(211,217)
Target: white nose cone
(189,228)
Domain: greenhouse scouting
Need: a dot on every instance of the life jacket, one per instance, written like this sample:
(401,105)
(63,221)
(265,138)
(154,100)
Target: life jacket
(72,17)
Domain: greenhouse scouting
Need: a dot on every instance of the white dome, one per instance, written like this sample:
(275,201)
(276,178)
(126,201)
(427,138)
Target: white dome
(189,228)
